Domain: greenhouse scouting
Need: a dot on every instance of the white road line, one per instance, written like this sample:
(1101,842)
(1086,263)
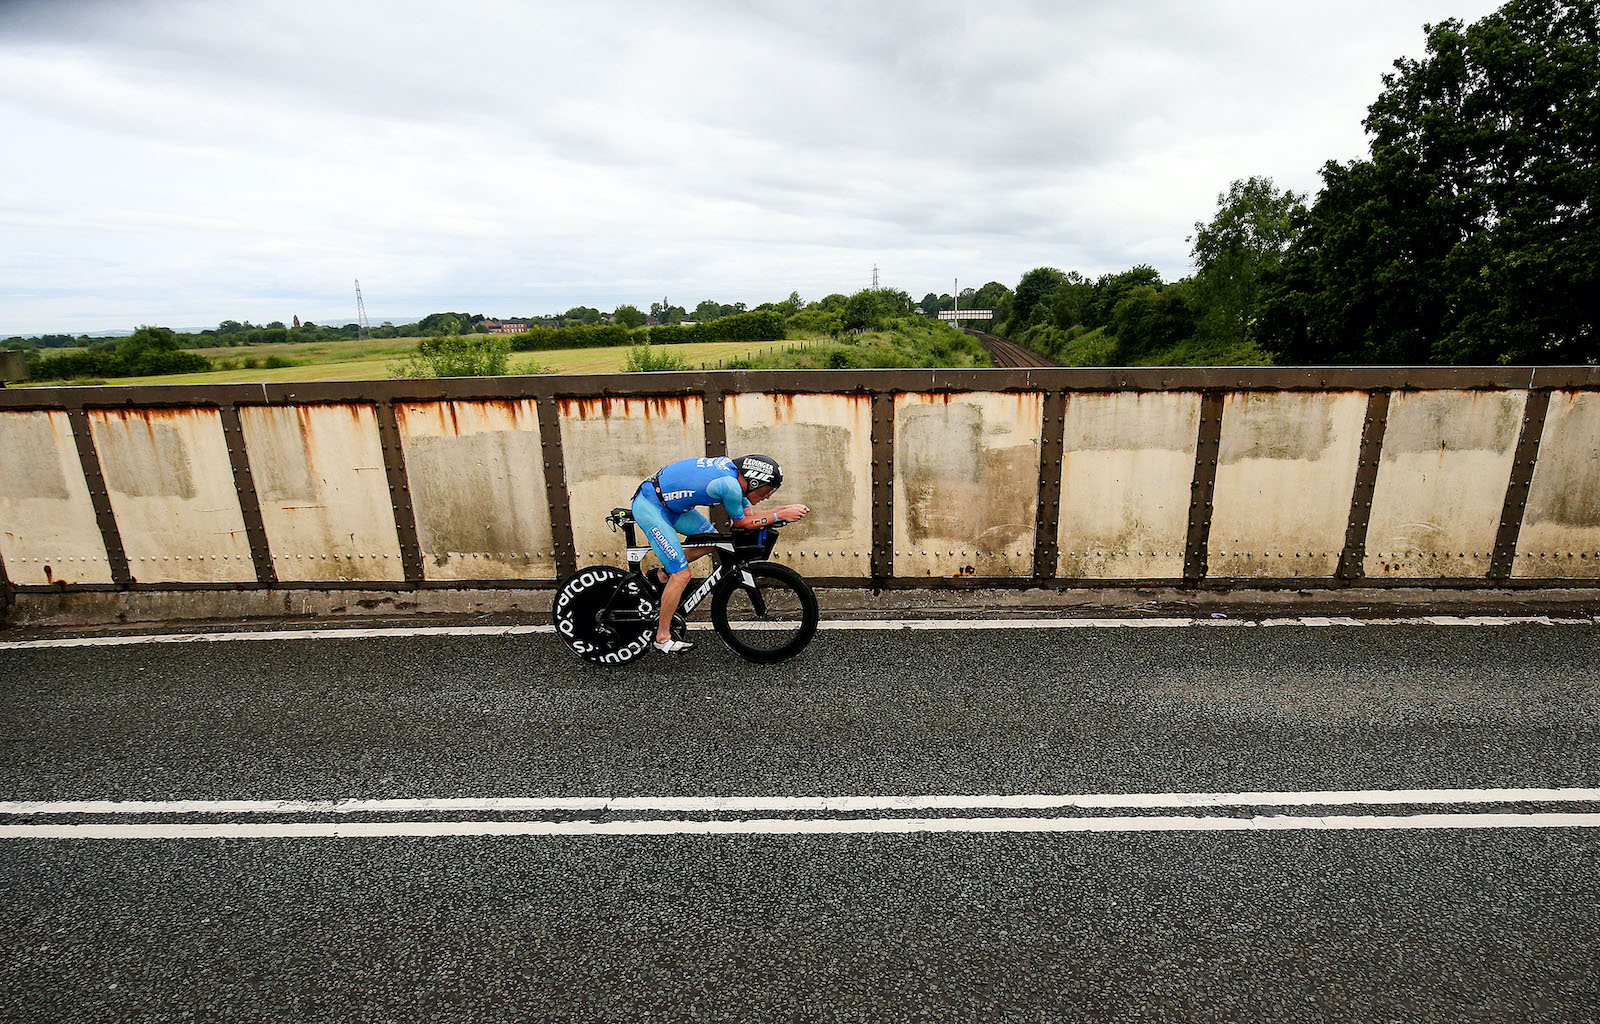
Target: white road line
(789,826)
(281,634)
(813,804)
(841,624)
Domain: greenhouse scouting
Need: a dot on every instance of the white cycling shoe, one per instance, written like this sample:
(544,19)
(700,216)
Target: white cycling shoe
(672,646)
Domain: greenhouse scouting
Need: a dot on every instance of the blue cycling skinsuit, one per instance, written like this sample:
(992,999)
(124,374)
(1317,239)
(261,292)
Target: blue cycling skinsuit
(666,504)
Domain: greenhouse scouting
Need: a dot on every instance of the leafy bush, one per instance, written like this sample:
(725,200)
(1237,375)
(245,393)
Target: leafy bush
(645,358)
(470,355)
(1148,319)
(763,326)
(904,341)
(816,320)
(539,339)
(1076,346)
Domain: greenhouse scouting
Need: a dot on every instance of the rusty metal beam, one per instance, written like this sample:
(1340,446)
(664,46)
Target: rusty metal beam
(1214,584)
(405,517)
(1353,558)
(555,485)
(545,386)
(255,529)
(100,496)
(1203,487)
(882,558)
(1516,504)
(714,412)
(1047,522)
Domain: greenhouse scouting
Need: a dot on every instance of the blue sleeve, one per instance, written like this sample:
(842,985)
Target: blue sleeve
(726,490)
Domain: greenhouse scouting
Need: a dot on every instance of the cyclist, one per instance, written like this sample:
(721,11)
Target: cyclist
(666,505)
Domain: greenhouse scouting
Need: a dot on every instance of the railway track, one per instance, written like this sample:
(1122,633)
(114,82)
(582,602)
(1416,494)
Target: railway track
(1008,353)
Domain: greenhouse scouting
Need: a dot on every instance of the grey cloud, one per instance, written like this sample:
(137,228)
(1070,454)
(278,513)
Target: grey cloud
(511,149)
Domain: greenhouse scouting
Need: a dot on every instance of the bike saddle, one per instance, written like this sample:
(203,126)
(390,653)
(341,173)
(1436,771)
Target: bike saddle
(620,517)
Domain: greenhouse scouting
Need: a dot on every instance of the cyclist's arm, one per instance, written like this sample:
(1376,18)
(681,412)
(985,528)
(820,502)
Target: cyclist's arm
(742,514)
(754,520)
(726,490)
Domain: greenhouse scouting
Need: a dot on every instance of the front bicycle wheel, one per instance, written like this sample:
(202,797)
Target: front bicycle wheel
(765,611)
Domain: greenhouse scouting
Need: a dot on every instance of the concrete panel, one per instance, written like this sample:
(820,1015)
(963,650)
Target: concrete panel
(610,445)
(966,483)
(324,492)
(1561,528)
(824,443)
(1126,470)
(48,530)
(1442,482)
(476,471)
(1286,470)
(172,492)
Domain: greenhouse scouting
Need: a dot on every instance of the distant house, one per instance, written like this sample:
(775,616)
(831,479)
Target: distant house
(511,326)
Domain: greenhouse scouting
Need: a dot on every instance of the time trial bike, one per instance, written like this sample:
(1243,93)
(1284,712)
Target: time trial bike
(763,610)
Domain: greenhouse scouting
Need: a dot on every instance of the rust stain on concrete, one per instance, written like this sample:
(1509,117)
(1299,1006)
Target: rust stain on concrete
(611,406)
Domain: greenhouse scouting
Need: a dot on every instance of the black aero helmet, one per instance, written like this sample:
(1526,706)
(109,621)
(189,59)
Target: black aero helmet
(760,470)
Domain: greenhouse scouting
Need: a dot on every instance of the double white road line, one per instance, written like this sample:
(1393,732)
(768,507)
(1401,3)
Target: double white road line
(835,815)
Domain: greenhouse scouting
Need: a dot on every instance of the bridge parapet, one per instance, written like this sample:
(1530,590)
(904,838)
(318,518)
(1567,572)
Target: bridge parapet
(1457,477)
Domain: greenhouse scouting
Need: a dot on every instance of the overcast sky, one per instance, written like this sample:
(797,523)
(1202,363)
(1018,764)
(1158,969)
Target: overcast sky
(183,163)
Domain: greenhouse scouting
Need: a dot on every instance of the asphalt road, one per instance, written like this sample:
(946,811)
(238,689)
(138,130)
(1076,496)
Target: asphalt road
(1313,924)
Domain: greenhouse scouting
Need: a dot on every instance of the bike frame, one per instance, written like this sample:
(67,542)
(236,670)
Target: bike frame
(691,600)
(721,543)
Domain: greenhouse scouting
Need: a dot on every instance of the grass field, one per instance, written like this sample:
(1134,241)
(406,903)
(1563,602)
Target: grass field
(376,360)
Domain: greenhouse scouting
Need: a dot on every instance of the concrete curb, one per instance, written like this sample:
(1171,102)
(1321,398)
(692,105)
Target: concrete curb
(34,611)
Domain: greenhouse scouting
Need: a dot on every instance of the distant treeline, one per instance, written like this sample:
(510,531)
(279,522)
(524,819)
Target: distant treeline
(144,353)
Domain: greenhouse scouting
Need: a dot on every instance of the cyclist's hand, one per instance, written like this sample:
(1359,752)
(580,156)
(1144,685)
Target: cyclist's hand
(791,513)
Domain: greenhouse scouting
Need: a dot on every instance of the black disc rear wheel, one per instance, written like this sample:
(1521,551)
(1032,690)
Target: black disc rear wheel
(579,613)
(767,618)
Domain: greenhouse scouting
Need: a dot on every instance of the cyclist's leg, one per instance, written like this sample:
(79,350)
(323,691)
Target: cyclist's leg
(691,522)
(659,531)
(664,542)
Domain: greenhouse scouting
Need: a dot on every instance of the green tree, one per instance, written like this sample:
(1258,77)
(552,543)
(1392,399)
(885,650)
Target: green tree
(895,302)
(990,295)
(1110,289)
(862,311)
(629,317)
(1036,286)
(432,324)
(1244,241)
(1472,231)
(665,314)
(153,350)
(1070,303)
(1148,319)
